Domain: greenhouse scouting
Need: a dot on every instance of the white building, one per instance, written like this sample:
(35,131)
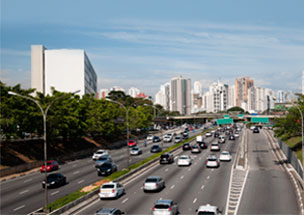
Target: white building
(162,97)
(67,70)
(133,92)
(251,102)
(103,93)
(217,97)
(231,97)
(117,88)
(180,92)
(260,99)
(197,88)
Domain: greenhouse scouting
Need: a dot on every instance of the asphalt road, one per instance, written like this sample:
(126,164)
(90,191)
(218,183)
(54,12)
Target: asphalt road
(188,186)
(25,194)
(268,189)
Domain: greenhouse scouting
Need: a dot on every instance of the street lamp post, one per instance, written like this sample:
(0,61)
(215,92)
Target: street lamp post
(44,115)
(301,113)
(127,119)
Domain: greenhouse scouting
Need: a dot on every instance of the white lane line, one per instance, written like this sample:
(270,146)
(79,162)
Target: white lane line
(160,198)
(208,177)
(166,170)
(76,172)
(200,158)
(202,187)
(28,180)
(189,169)
(22,206)
(79,182)
(124,200)
(54,193)
(172,186)
(212,170)
(182,177)
(25,191)
(194,200)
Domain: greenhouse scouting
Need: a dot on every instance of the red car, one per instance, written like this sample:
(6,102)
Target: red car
(132,143)
(50,166)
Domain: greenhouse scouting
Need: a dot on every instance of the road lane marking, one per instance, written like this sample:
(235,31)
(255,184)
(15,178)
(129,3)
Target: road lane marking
(28,180)
(54,193)
(124,200)
(200,158)
(208,177)
(182,177)
(22,206)
(76,172)
(166,170)
(189,169)
(202,187)
(194,200)
(212,170)
(79,182)
(25,191)
(172,186)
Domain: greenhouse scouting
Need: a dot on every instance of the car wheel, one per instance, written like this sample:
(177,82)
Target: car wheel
(98,174)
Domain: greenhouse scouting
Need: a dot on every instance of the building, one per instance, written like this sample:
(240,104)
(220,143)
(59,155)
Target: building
(197,88)
(180,92)
(231,97)
(241,90)
(66,70)
(217,97)
(133,92)
(162,97)
(260,99)
(104,93)
(251,103)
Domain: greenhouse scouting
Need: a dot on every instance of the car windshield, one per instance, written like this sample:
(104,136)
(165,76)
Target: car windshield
(151,180)
(106,165)
(103,158)
(49,163)
(183,157)
(161,206)
(108,186)
(225,153)
(165,156)
(52,176)
(214,144)
(211,159)
(195,147)
(135,149)
(177,137)
(206,213)
(100,152)
(155,147)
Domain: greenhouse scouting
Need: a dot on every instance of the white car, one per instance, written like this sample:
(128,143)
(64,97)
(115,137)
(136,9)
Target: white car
(184,160)
(150,137)
(236,134)
(208,209)
(195,149)
(99,153)
(208,134)
(178,139)
(252,127)
(215,147)
(135,151)
(165,207)
(212,161)
(153,183)
(168,137)
(221,139)
(225,156)
(111,190)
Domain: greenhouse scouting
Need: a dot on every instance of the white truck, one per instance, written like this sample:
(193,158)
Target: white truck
(199,139)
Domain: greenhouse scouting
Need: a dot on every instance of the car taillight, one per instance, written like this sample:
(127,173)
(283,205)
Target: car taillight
(156,184)
(216,162)
(170,209)
(113,191)
(153,208)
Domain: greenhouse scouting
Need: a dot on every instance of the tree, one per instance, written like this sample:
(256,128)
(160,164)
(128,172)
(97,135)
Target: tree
(236,109)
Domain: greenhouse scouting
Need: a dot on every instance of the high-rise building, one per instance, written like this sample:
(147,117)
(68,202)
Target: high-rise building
(197,88)
(67,70)
(217,97)
(241,90)
(231,97)
(162,97)
(180,95)
(251,103)
(133,92)
(104,93)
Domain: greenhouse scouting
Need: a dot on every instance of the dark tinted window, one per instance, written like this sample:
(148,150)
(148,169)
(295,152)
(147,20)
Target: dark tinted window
(162,206)
(205,213)
(106,165)
(110,186)
(53,176)
(151,180)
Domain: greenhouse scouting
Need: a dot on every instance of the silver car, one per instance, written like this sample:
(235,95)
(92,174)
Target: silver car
(135,151)
(153,183)
(178,139)
(165,207)
(102,159)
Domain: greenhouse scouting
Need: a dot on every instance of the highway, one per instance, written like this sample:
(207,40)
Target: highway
(268,189)
(25,194)
(188,186)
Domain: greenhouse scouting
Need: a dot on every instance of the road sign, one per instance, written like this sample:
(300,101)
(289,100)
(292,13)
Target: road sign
(260,119)
(224,121)
(226,117)
(241,116)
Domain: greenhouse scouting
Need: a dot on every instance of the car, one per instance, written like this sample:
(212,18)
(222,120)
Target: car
(208,134)
(132,143)
(106,168)
(178,139)
(103,159)
(185,135)
(184,160)
(208,210)
(109,211)
(221,139)
(111,190)
(231,137)
(256,130)
(203,145)
(236,134)
(166,158)
(165,207)
(54,180)
(215,147)
(150,137)
(135,151)
(156,139)
(168,138)
(50,166)
(225,156)
(212,161)
(195,149)
(153,183)
(252,127)
(99,153)
(216,134)
(186,146)
(155,149)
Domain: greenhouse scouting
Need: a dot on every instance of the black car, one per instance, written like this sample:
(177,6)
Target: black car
(106,168)
(185,134)
(109,211)
(166,158)
(155,149)
(54,180)
(216,134)
(203,145)
(186,146)
(256,130)
(231,137)
(156,139)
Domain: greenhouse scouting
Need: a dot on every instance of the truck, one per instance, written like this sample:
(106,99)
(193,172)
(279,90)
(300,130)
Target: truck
(201,142)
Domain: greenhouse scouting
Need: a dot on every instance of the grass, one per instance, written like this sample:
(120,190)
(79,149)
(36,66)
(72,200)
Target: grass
(77,194)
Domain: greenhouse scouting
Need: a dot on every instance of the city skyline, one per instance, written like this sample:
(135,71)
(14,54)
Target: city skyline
(132,46)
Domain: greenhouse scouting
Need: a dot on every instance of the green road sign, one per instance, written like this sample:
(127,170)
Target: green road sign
(224,121)
(226,117)
(241,116)
(259,119)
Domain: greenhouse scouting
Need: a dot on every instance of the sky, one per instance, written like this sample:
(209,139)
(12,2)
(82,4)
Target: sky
(143,44)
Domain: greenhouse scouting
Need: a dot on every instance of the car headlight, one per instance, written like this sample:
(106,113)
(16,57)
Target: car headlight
(108,170)
(53,182)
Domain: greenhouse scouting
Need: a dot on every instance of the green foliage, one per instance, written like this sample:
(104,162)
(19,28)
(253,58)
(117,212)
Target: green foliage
(236,108)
